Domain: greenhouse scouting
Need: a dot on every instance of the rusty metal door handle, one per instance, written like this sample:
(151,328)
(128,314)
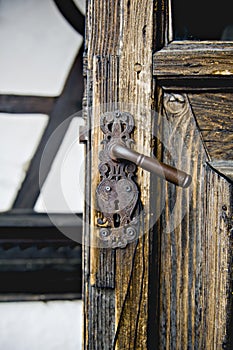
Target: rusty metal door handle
(119,151)
(119,208)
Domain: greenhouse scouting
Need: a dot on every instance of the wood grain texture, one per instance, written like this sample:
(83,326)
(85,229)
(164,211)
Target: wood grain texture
(214,111)
(118,76)
(135,87)
(190,58)
(101,41)
(214,115)
(192,232)
(224,167)
(195,242)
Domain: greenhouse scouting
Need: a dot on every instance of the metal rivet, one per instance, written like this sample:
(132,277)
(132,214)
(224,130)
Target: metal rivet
(104,233)
(130,232)
(128,189)
(108,188)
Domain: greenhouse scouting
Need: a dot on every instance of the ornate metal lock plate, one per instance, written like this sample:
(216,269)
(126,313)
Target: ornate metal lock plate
(117,193)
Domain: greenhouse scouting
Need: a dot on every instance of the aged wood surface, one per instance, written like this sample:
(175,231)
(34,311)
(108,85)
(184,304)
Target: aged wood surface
(224,167)
(195,240)
(214,114)
(118,76)
(190,58)
(193,232)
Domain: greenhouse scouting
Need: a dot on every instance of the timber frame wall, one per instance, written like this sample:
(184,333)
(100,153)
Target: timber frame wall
(170,289)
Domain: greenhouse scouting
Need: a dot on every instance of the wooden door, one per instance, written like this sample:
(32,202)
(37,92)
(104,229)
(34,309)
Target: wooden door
(170,288)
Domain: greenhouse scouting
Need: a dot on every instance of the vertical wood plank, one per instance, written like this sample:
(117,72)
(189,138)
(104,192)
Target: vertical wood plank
(101,42)
(118,53)
(196,245)
(135,88)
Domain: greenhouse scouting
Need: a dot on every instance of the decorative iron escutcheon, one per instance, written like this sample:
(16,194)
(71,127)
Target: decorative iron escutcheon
(117,194)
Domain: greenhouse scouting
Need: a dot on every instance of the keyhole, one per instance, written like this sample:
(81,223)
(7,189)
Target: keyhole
(117,220)
(116,217)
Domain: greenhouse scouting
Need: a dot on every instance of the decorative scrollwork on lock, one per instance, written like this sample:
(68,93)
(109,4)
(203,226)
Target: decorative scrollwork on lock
(117,193)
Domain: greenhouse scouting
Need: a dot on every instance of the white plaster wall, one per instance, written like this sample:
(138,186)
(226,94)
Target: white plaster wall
(19,138)
(37,50)
(38,47)
(54,325)
(63,189)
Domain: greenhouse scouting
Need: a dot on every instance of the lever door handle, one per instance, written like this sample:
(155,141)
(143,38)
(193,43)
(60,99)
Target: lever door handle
(119,151)
(119,208)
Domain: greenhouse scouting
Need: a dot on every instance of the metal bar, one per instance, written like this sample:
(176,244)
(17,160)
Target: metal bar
(167,172)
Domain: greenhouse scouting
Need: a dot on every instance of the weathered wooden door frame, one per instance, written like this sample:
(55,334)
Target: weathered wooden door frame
(195,295)
(128,296)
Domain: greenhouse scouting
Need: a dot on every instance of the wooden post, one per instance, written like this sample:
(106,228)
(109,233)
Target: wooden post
(118,70)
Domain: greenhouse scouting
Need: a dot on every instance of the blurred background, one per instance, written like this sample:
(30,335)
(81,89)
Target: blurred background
(41,174)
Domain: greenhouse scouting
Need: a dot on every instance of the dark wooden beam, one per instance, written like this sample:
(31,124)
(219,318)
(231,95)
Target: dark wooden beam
(30,228)
(37,261)
(72,14)
(26,104)
(39,297)
(67,104)
(194,59)
(22,218)
(40,264)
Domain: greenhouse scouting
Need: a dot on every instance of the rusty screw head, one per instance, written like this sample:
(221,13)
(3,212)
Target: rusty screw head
(130,232)
(104,233)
